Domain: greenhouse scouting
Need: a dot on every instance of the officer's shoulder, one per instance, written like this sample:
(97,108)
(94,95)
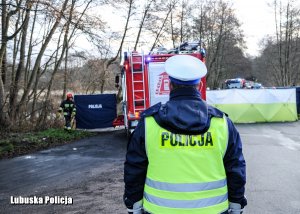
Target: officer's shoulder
(151,110)
(215,112)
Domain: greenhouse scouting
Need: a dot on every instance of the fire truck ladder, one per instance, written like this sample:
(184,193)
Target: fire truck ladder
(138,84)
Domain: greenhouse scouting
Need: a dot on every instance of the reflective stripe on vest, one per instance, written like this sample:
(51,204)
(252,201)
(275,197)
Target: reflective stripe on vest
(185,172)
(67,105)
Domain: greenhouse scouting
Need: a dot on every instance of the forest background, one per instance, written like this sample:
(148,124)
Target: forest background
(51,47)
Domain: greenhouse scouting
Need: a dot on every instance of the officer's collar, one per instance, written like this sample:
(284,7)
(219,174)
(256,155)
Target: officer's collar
(186,92)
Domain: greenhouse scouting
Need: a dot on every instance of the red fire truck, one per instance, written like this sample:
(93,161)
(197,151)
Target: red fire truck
(145,82)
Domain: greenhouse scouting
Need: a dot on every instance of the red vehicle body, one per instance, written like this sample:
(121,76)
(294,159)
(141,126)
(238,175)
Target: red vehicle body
(145,83)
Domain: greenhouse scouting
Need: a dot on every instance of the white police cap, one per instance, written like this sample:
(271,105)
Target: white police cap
(185,69)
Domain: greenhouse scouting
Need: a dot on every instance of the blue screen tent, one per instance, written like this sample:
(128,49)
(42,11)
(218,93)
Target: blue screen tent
(95,111)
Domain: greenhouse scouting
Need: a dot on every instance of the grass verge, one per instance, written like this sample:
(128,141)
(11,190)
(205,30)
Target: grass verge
(16,144)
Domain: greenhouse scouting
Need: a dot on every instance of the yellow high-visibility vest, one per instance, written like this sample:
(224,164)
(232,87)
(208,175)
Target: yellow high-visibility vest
(185,173)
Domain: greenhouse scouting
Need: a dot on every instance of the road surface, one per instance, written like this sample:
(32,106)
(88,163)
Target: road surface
(90,171)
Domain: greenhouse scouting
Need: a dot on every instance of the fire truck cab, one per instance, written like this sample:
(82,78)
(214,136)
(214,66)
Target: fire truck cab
(145,82)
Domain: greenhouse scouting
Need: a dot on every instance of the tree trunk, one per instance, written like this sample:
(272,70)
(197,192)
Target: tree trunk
(15,84)
(142,23)
(161,28)
(40,55)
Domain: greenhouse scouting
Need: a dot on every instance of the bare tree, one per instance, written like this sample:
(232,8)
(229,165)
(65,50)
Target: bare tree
(38,25)
(40,55)
(20,69)
(279,59)
(146,10)
(160,26)
(218,26)
(178,22)
(7,13)
(287,25)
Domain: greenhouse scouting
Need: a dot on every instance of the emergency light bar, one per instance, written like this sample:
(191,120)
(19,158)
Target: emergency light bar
(158,58)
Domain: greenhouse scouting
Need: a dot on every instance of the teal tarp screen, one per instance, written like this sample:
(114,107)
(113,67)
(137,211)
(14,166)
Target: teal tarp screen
(261,105)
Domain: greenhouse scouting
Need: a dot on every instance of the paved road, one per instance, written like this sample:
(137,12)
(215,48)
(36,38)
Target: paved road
(90,171)
(272,152)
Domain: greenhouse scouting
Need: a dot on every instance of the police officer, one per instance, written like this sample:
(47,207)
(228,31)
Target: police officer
(69,110)
(184,156)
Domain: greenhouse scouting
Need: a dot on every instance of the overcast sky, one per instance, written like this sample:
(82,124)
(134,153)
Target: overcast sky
(257,19)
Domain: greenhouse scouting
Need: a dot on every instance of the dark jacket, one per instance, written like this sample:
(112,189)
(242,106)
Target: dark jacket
(68,107)
(184,113)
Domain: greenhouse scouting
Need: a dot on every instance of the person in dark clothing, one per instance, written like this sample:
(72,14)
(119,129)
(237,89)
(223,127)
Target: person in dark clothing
(184,156)
(68,108)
